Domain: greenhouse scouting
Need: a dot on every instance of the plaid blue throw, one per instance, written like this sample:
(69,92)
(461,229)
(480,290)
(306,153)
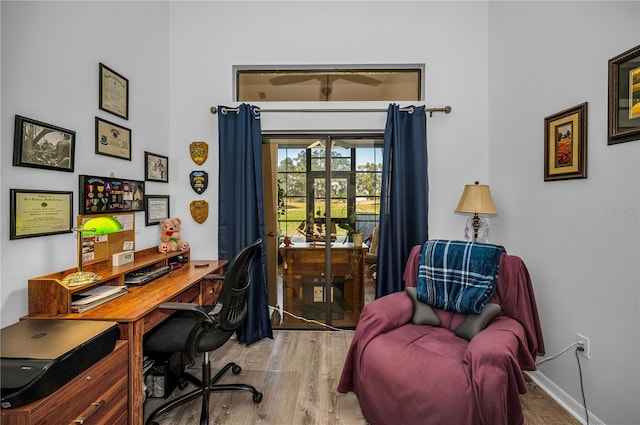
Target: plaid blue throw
(458,276)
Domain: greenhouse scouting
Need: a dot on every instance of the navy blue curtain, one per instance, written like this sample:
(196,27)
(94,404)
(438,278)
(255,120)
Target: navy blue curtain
(404,196)
(241,208)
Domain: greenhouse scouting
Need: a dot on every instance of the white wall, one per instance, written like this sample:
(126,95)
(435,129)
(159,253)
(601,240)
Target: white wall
(494,63)
(50,57)
(579,238)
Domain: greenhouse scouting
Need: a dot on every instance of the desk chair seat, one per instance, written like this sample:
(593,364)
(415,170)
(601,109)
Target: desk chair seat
(195,329)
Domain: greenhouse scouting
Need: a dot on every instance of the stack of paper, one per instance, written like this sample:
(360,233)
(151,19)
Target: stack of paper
(95,296)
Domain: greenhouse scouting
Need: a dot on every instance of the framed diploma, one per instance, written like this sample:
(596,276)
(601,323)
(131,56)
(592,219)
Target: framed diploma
(112,139)
(40,213)
(114,92)
(156,209)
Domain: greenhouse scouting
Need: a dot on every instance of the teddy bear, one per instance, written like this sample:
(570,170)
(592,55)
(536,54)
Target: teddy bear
(170,236)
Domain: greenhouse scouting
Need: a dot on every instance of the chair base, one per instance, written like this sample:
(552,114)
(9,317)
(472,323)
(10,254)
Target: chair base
(205,387)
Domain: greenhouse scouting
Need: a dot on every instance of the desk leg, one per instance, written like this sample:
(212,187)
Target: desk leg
(135,333)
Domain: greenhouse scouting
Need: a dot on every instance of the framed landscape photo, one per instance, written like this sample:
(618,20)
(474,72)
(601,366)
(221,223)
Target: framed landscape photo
(624,97)
(113,139)
(40,145)
(156,209)
(565,144)
(40,213)
(156,167)
(114,92)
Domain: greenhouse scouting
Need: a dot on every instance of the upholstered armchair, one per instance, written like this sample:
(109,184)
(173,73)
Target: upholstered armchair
(463,369)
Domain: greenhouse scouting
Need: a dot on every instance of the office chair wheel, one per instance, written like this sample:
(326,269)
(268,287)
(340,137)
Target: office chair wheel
(236,369)
(257,397)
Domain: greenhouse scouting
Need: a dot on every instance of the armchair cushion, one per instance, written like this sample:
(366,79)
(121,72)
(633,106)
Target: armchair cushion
(475,323)
(423,314)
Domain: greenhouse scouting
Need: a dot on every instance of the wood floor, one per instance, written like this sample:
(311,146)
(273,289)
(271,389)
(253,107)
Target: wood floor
(298,372)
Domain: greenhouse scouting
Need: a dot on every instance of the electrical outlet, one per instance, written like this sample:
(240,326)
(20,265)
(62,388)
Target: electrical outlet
(583,342)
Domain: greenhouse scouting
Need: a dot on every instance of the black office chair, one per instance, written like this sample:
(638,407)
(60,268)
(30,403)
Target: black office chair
(197,329)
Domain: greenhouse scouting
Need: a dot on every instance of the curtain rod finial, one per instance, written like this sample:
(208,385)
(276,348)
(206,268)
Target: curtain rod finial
(447,109)
(213,110)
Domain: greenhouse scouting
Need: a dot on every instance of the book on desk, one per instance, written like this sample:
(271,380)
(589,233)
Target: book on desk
(95,296)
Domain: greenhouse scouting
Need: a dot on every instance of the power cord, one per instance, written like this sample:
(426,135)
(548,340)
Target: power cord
(577,350)
(304,319)
(584,398)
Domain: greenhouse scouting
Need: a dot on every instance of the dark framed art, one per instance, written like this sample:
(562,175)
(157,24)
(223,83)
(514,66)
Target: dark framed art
(40,213)
(113,139)
(156,209)
(114,92)
(40,145)
(565,144)
(99,195)
(624,97)
(156,167)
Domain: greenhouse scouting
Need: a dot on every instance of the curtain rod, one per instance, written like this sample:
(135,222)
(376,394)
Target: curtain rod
(446,110)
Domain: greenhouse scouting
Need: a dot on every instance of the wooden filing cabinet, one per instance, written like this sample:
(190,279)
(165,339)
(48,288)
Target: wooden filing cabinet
(211,289)
(97,396)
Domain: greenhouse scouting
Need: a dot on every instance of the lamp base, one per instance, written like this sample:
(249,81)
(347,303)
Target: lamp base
(80,278)
(483,230)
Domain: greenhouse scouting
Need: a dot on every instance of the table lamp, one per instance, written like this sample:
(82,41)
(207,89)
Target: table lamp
(92,227)
(476,199)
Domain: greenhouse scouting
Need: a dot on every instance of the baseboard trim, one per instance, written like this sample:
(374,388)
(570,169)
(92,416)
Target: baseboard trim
(567,402)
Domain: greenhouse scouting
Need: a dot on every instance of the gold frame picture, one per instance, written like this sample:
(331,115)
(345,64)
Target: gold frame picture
(565,144)
(624,97)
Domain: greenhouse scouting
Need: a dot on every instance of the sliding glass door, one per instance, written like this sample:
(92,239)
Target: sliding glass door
(327,194)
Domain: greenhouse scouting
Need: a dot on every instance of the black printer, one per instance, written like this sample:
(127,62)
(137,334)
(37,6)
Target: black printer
(40,356)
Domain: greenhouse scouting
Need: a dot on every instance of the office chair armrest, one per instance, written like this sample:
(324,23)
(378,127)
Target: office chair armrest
(214,277)
(191,307)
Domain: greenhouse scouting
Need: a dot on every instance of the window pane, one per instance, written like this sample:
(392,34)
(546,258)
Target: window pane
(292,159)
(340,159)
(277,85)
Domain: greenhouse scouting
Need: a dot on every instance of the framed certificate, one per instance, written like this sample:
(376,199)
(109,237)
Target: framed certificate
(40,213)
(112,139)
(156,209)
(114,92)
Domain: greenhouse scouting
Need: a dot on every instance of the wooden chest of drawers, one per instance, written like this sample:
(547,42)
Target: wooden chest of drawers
(96,396)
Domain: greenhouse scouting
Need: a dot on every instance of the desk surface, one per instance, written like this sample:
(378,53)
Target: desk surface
(321,245)
(142,300)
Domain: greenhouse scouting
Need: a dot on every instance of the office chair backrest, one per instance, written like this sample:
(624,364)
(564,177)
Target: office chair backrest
(235,286)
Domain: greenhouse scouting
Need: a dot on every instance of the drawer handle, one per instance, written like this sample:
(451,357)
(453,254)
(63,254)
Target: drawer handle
(98,405)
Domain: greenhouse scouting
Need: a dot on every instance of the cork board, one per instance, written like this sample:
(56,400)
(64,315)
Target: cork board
(102,247)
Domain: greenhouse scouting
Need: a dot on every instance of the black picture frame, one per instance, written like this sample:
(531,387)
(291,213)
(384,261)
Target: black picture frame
(156,209)
(113,139)
(624,97)
(40,213)
(40,145)
(104,195)
(114,92)
(565,144)
(156,167)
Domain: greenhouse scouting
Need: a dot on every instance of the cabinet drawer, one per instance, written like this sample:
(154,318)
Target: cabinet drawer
(210,291)
(104,383)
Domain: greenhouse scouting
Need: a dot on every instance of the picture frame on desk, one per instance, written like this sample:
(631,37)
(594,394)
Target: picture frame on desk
(40,213)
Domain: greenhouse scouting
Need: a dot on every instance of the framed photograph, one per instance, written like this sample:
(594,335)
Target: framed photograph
(624,97)
(112,139)
(156,209)
(114,92)
(100,195)
(40,213)
(156,167)
(40,145)
(565,144)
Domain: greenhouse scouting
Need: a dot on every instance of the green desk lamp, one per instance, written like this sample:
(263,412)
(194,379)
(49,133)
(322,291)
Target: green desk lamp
(92,227)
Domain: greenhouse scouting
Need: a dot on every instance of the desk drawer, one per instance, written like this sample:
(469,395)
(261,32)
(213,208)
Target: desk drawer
(151,320)
(211,291)
(101,390)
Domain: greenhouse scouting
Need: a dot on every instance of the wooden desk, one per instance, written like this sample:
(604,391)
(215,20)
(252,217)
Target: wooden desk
(136,312)
(304,271)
